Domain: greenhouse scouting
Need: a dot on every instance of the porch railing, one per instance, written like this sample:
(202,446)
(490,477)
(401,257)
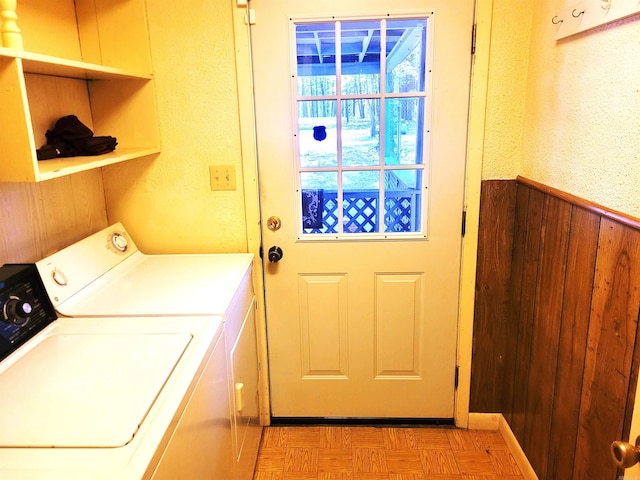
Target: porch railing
(361,212)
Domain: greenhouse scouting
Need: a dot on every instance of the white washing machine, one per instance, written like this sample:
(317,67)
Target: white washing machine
(106,274)
(106,398)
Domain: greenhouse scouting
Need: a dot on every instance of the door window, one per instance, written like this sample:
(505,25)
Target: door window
(362,102)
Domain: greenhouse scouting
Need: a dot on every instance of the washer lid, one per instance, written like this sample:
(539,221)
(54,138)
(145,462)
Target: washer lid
(85,390)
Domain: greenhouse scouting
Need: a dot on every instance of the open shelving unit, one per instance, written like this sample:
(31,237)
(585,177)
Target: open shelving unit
(89,58)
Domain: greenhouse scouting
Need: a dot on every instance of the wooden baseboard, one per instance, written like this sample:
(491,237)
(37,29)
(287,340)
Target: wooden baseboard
(484,421)
(496,421)
(516,450)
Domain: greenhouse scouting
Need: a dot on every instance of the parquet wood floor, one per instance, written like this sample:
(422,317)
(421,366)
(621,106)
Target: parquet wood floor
(383,453)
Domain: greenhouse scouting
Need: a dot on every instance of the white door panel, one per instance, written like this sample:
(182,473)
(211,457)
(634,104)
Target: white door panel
(363,324)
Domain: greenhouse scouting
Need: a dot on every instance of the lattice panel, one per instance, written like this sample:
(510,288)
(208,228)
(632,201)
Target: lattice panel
(397,217)
(360,213)
(329,215)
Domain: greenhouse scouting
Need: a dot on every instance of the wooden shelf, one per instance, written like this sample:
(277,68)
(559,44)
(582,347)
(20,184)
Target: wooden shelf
(89,58)
(60,167)
(61,67)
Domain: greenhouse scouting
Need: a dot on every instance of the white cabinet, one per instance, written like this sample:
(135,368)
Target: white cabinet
(89,58)
(240,327)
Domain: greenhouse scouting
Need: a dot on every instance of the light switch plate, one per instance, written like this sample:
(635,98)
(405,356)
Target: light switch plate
(222,177)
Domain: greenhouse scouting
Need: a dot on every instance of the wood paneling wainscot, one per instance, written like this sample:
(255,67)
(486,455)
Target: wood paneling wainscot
(493,337)
(555,336)
(39,218)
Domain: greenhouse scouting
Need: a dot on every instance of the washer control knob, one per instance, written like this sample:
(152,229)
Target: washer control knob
(59,277)
(119,242)
(17,312)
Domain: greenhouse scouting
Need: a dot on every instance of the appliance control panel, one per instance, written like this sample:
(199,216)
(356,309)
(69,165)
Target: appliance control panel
(25,308)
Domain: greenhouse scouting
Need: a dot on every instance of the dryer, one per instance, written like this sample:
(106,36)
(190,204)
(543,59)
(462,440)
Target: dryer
(106,274)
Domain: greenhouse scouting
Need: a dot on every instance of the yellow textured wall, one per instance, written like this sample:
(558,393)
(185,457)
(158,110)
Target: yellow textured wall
(582,121)
(564,113)
(166,203)
(506,87)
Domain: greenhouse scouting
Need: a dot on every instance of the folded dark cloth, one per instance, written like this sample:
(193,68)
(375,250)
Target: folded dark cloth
(70,137)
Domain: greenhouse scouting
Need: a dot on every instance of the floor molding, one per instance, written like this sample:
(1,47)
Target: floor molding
(484,421)
(496,421)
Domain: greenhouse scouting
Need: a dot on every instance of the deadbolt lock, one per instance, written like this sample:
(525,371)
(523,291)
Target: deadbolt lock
(274,223)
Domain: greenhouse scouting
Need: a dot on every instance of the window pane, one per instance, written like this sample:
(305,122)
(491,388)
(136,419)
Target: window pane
(360,57)
(403,137)
(405,59)
(318,194)
(360,126)
(317,141)
(367,131)
(403,198)
(360,202)
(316,59)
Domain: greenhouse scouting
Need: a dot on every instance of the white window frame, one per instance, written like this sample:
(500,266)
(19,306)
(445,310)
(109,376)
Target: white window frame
(382,96)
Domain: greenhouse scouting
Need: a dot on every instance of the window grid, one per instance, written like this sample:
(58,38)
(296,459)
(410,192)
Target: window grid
(388,207)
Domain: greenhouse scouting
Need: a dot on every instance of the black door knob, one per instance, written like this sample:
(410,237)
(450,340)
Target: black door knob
(275,254)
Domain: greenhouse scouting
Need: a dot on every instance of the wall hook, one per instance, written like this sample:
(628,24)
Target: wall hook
(556,21)
(573,13)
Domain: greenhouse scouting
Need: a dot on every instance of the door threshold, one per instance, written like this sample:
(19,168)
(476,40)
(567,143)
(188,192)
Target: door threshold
(359,421)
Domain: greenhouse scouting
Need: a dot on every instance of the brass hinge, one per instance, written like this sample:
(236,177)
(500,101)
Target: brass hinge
(455,378)
(474,28)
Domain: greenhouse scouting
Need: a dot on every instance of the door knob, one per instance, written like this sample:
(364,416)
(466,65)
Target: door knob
(624,454)
(275,254)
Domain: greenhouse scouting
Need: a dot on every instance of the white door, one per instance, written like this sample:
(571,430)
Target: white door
(361,114)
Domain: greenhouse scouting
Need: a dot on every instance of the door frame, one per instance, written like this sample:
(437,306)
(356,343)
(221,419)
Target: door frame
(473,177)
